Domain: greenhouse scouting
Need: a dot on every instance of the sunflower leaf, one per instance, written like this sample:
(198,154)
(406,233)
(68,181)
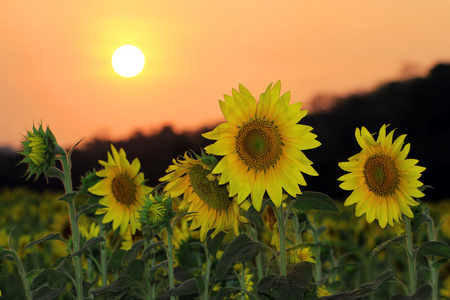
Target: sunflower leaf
(363,290)
(240,249)
(435,248)
(214,243)
(187,287)
(119,286)
(45,292)
(315,201)
(49,237)
(93,241)
(383,245)
(292,286)
(69,197)
(150,247)
(422,293)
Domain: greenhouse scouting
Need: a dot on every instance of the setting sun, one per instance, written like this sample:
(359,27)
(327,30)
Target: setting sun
(128,61)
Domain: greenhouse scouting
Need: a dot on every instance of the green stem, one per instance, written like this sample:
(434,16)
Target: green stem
(259,267)
(74,225)
(103,254)
(431,260)
(170,258)
(411,256)
(207,274)
(274,254)
(282,231)
(242,281)
(22,272)
(147,274)
(318,263)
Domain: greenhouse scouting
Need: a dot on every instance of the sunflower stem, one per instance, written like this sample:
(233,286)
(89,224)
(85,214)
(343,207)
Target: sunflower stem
(259,267)
(148,283)
(170,257)
(74,225)
(282,233)
(23,274)
(103,253)
(411,256)
(207,273)
(431,260)
(318,264)
(242,280)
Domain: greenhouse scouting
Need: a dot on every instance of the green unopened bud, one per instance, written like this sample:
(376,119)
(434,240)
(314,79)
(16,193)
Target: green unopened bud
(156,213)
(87,181)
(40,150)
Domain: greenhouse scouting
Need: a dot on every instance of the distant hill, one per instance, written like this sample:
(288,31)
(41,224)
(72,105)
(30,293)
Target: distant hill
(418,107)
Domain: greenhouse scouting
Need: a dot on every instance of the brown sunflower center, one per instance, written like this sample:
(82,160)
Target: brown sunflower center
(381,175)
(123,189)
(258,144)
(210,192)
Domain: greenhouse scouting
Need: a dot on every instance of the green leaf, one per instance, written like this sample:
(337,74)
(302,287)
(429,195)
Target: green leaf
(289,287)
(130,255)
(240,250)
(315,201)
(363,290)
(45,292)
(187,287)
(115,262)
(435,248)
(93,241)
(254,216)
(87,209)
(383,245)
(150,247)
(424,187)
(214,244)
(68,197)
(49,237)
(226,291)
(422,293)
(183,273)
(136,269)
(122,284)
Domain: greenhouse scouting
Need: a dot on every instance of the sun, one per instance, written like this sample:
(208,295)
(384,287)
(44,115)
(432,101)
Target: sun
(128,61)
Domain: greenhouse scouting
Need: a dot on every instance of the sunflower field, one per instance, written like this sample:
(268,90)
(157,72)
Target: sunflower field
(235,221)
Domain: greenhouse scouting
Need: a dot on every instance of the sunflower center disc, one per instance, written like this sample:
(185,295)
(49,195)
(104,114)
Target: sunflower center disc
(381,175)
(258,144)
(123,189)
(210,192)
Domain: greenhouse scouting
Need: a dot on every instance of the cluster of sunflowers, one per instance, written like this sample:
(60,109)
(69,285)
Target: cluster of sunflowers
(238,226)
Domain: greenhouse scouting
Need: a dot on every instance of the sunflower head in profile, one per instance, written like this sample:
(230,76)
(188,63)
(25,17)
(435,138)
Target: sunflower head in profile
(209,202)
(123,190)
(262,145)
(382,179)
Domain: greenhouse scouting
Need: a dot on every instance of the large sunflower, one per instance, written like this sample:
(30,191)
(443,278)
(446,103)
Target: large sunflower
(202,194)
(123,190)
(262,145)
(382,179)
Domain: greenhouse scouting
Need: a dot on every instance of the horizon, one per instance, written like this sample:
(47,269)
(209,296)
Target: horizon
(56,59)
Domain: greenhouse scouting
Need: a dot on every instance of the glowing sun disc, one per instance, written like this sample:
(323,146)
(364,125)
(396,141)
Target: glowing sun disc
(128,61)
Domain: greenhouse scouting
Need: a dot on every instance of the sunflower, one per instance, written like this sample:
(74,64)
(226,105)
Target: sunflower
(382,179)
(123,190)
(302,254)
(202,194)
(262,145)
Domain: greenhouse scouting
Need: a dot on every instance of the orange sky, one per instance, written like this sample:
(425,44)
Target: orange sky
(55,57)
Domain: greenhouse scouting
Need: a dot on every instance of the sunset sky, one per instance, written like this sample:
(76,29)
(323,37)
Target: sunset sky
(55,57)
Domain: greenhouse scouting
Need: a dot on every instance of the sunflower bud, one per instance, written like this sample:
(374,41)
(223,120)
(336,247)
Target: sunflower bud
(156,213)
(40,149)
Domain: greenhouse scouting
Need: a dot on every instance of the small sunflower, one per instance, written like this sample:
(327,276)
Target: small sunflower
(262,145)
(322,291)
(302,254)
(202,194)
(123,190)
(382,179)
